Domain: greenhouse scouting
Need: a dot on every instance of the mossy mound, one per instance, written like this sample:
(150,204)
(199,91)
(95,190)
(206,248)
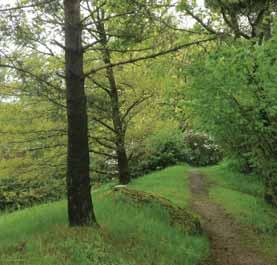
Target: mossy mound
(180,218)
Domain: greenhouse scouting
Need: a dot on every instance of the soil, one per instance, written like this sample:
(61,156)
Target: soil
(227,238)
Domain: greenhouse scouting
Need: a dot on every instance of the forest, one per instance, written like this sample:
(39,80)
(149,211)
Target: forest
(138,132)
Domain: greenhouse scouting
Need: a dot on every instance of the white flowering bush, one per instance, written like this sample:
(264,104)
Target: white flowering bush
(201,150)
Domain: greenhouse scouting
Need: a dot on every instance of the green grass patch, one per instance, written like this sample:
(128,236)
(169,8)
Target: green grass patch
(148,236)
(19,225)
(223,175)
(129,235)
(253,212)
(171,183)
(248,209)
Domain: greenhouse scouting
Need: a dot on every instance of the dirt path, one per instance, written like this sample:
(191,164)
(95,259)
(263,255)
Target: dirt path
(225,235)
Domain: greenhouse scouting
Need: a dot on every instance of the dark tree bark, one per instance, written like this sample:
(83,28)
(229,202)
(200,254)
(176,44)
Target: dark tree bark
(80,208)
(122,159)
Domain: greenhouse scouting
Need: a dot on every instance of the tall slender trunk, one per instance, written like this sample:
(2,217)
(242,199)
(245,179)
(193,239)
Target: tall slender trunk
(80,208)
(122,159)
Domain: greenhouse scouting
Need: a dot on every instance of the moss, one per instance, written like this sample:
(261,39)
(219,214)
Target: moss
(179,217)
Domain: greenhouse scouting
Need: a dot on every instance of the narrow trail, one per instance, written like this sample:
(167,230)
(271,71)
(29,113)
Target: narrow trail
(225,235)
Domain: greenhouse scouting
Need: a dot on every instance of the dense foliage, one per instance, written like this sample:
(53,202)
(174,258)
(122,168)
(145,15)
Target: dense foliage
(17,193)
(170,146)
(233,94)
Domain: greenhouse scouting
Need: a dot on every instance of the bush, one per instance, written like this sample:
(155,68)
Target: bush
(161,150)
(171,146)
(200,150)
(16,193)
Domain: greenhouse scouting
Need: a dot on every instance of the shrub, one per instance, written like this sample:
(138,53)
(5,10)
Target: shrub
(200,149)
(16,193)
(171,146)
(166,147)
(162,149)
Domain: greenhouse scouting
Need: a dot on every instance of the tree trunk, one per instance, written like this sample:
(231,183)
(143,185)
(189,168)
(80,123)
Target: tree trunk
(80,208)
(271,189)
(122,160)
(123,163)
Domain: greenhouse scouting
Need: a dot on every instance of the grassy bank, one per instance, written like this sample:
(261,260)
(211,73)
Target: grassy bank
(128,235)
(171,183)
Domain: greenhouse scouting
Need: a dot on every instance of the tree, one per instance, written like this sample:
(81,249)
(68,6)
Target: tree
(231,91)
(134,88)
(119,130)
(123,28)
(254,22)
(31,37)
(247,19)
(80,208)
(43,32)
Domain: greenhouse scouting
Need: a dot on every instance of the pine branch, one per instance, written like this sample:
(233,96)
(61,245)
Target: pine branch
(150,56)
(41,3)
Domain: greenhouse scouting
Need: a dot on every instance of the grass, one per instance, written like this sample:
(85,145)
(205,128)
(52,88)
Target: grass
(223,175)
(129,235)
(153,240)
(171,183)
(18,226)
(241,196)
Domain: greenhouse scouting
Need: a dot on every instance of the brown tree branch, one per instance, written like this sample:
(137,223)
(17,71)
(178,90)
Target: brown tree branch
(150,56)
